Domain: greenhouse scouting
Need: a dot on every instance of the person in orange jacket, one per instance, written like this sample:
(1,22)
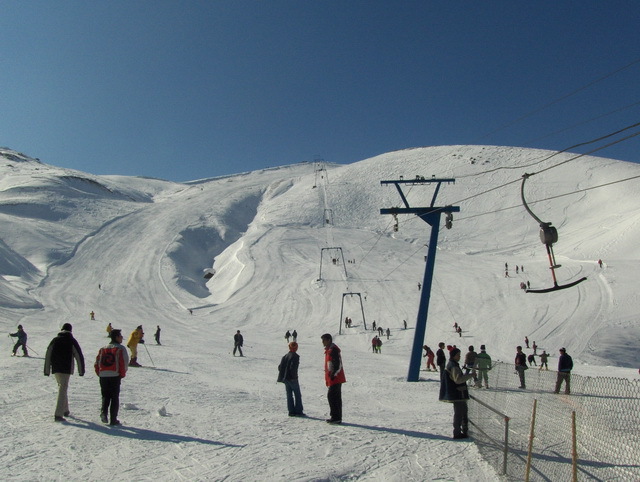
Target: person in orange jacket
(334,378)
(137,336)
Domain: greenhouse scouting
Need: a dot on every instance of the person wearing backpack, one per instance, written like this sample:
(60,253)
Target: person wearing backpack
(111,367)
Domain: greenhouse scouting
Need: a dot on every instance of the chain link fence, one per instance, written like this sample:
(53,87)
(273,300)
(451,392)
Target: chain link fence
(607,415)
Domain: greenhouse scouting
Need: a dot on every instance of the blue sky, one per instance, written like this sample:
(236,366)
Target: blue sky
(183,90)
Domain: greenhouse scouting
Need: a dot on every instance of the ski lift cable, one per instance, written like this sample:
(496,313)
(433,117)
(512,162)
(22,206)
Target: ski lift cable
(560,99)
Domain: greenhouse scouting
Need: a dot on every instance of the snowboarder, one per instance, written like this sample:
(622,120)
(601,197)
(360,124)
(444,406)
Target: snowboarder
(238,340)
(61,353)
(111,367)
(483,365)
(544,357)
(565,365)
(137,336)
(334,378)
(288,374)
(157,335)
(22,341)
(521,365)
(453,389)
(429,355)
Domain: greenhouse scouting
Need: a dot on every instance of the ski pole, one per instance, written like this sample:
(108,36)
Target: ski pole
(145,347)
(29,348)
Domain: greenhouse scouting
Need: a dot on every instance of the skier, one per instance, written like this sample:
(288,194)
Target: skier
(288,374)
(137,336)
(92,316)
(460,331)
(379,345)
(374,344)
(453,389)
(532,360)
(238,340)
(544,357)
(109,328)
(388,333)
(157,335)
(483,365)
(22,341)
(565,365)
(61,353)
(429,355)
(334,378)
(111,367)
(535,348)
(374,325)
(521,365)
(294,333)
(287,335)
(526,341)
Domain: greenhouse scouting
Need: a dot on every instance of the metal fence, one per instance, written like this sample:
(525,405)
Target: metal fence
(607,416)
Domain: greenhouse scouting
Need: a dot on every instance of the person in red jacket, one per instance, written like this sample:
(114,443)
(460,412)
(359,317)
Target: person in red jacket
(111,366)
(334,378)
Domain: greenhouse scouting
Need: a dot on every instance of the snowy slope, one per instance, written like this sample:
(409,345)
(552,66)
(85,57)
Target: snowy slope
(133,250)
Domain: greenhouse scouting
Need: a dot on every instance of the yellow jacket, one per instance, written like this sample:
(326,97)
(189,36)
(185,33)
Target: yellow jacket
(135,337)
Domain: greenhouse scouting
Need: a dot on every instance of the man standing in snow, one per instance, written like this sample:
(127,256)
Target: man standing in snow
(111,366)
(137,336)
(238,340)
(521,365)
(22,341)
(565,365)
(483,365)
(453,389)
(157,335)
(334,378)
(61,353)
(441,358)
(288,374)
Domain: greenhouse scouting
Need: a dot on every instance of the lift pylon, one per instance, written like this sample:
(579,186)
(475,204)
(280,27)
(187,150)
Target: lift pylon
(431,215)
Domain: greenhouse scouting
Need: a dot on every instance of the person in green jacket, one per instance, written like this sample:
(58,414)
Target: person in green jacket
(483,365)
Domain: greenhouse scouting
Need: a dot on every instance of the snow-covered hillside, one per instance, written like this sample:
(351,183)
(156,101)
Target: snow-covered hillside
(133,250)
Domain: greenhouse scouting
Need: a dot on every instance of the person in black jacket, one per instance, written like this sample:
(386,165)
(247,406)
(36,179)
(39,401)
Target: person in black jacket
(565,365)
(238,340)
(61,353)
(441,359)
(288,374)
(453,389)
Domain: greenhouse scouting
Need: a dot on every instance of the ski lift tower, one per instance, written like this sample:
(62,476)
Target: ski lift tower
(430,215)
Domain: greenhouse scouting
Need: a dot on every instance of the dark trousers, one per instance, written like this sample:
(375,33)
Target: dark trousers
(239,348)
(18,345)
(110,389)
(566,378)
(460,418)
(334,396)
(294,397)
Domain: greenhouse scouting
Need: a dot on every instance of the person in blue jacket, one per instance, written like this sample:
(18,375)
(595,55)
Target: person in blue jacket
(22,341)
(565,365)
(453,389)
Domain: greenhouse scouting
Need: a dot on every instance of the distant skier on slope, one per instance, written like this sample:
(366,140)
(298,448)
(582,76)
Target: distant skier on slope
(137,336)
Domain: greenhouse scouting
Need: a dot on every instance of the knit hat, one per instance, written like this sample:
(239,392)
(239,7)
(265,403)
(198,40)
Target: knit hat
(115,333)
(293,346)
(66,327)
(482,347)
(454,352)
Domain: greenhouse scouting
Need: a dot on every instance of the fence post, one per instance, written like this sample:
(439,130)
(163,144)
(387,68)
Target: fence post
(574,449)
(506,445)
(531,435)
